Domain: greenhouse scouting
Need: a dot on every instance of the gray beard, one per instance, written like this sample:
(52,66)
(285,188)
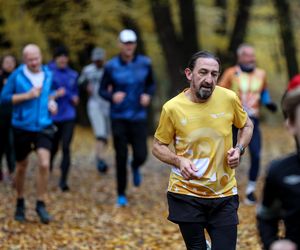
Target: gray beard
(203,94)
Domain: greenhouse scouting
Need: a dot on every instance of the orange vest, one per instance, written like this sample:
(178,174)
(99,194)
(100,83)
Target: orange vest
(248,86)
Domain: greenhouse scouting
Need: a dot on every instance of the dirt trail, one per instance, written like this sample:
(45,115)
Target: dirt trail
(86,217)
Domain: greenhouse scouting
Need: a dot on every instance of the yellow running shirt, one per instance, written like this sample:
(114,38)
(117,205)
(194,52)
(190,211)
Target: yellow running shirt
(202,132)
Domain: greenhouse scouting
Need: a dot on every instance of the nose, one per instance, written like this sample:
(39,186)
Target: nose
(209,78)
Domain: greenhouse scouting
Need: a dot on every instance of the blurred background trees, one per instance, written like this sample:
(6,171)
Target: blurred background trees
(169,32)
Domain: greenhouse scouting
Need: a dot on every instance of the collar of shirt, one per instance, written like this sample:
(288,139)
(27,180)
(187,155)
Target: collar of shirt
(124,62)
(36,79)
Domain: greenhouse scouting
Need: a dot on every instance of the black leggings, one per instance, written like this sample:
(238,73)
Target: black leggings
(64,135)
(124,133)
(254,147)
(6,145)
(223,237)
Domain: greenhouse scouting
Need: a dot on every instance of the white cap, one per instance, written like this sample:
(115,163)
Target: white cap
(127,36)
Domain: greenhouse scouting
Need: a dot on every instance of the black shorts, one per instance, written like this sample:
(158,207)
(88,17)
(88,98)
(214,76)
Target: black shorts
(209,211)
(26,141)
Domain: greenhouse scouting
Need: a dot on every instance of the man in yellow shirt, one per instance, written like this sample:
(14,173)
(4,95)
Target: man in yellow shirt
(250,83)
(202,192)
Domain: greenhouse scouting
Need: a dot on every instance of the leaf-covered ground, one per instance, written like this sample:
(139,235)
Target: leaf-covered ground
(87,218)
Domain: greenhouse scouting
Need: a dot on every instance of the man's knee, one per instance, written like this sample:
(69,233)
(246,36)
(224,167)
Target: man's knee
(43,159)
(44,165)
(223,237)
(140,158)
(193,235)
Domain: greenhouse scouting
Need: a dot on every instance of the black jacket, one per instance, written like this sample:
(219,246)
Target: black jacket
(281,201)
(5,109)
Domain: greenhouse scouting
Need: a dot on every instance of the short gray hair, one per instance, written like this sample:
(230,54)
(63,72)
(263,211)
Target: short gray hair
(241,47)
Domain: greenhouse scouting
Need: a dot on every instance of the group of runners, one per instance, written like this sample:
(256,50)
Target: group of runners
(209,125)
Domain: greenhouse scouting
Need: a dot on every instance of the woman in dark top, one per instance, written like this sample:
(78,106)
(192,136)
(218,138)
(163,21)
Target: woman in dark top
(8,64)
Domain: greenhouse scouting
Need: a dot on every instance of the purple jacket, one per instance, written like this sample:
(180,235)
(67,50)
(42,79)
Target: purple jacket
(66,78)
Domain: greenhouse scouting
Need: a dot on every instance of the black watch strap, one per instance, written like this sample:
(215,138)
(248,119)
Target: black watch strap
(241,148)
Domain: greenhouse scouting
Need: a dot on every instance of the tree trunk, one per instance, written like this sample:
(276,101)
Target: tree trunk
(130,23)
(175,49)
(287,36)
(188,20)
(222,24)
(238,34)
(241,23)
(4,42)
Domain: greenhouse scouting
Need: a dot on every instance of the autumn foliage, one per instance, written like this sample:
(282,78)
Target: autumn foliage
(87,218)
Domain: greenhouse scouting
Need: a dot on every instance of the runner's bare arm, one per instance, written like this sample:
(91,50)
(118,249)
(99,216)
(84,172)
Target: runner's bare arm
(244,137)
(245,133)
(162,152)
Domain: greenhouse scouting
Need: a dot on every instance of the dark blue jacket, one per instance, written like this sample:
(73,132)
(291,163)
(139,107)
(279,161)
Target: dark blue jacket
(133,78)
(66,78)
(31,115)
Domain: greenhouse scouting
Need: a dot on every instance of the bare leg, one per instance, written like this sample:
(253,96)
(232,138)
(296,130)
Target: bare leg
(43,172)
(42,181)
(20,177)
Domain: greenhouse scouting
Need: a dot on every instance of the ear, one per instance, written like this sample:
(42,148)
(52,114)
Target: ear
(188,74)
(290,126)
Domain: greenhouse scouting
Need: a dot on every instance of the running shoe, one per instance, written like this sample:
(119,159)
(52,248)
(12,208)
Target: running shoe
(42,213)
(64,187)
(250,199)
(101,166)
(208,245)
(20,212)
(122,201)
(137,177)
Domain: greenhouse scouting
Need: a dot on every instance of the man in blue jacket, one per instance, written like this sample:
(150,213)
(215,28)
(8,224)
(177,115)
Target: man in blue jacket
(28,89)
(66,96)
(129,85)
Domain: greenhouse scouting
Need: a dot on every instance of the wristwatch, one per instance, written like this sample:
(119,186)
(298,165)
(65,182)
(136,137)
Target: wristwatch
(241,148)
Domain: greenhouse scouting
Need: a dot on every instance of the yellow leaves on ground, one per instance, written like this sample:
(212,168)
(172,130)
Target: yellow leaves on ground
(87,218)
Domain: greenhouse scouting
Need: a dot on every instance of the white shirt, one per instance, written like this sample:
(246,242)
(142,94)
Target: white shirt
(36,79)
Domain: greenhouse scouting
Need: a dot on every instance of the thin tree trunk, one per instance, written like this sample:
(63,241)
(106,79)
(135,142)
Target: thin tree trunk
(239,32)
(222,24)
(130,23)
(175,49)
(287,36)
(169,42)
(188,20)
(4,42)
(241,23)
